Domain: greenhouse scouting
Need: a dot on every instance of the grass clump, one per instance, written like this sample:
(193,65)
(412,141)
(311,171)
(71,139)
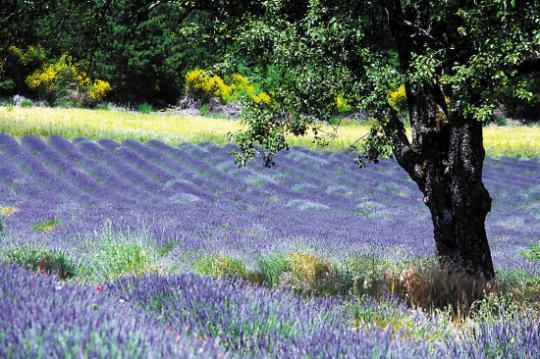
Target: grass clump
(521,286)
(46,226)
(8,211)
(308,272)
(111,256)
(272,267)
(27,103)
(221,265)
(47,261)
(114,259)
(166,248)
(388,314)
(371,275)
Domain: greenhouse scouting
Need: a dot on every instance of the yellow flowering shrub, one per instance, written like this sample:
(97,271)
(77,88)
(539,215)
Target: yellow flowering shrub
(205,84)
(98,90)
(53,80)
(239,79)
(262,97)
(397,98)
(342,104)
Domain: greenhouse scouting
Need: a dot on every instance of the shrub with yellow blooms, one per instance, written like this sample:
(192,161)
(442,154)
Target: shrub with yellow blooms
(64,79)
(98,90)
(261,97)
(398,98)
(206,84)
(15,65)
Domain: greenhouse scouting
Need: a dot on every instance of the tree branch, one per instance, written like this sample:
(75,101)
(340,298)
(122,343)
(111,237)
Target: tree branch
(405,155)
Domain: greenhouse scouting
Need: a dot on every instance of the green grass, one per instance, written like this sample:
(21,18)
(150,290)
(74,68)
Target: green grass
(112,259)
(272,266)
(522,141)
(46,260)
(220,265)
(47,226)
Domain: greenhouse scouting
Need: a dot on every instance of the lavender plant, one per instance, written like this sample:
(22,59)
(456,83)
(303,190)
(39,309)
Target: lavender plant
(122,210)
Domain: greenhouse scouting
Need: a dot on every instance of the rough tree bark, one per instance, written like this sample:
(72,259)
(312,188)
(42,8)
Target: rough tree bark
(444,158)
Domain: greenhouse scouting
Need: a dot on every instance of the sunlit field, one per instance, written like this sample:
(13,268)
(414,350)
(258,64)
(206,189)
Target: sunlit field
(153,250)
(521,141)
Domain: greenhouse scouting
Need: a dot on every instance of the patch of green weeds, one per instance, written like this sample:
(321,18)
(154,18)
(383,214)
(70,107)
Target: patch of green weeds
(103,106)
(495,306)
(369,273)
(27,103)
(521,286)
(204,110)
(145,108)
(64,102)
(111,260)
(46,226)
(390,315)
(111,256)
(46,260)
(501,121)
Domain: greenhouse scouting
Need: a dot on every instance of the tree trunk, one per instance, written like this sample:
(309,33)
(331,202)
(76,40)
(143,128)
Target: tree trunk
(458,201)
(446,154)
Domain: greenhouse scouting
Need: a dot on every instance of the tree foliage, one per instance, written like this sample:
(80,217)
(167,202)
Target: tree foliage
(456,60)
(472,54)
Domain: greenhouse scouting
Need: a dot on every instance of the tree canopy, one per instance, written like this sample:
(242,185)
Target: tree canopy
(456,60)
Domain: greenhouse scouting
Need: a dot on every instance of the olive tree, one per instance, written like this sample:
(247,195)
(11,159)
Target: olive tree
(455,58)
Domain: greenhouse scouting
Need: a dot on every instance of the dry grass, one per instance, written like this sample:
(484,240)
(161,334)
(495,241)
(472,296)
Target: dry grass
(121,125)
(307,271)
(430,286)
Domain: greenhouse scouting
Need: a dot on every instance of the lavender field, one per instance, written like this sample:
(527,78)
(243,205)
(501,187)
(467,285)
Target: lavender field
(147,250)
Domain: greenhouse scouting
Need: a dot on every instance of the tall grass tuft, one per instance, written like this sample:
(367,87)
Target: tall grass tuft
(220,265)
(110,256)
(272,267)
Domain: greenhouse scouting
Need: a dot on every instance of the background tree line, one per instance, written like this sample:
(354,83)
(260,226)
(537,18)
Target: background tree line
(144,48)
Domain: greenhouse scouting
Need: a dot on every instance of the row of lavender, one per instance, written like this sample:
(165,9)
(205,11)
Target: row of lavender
(190,316)
(196,197)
